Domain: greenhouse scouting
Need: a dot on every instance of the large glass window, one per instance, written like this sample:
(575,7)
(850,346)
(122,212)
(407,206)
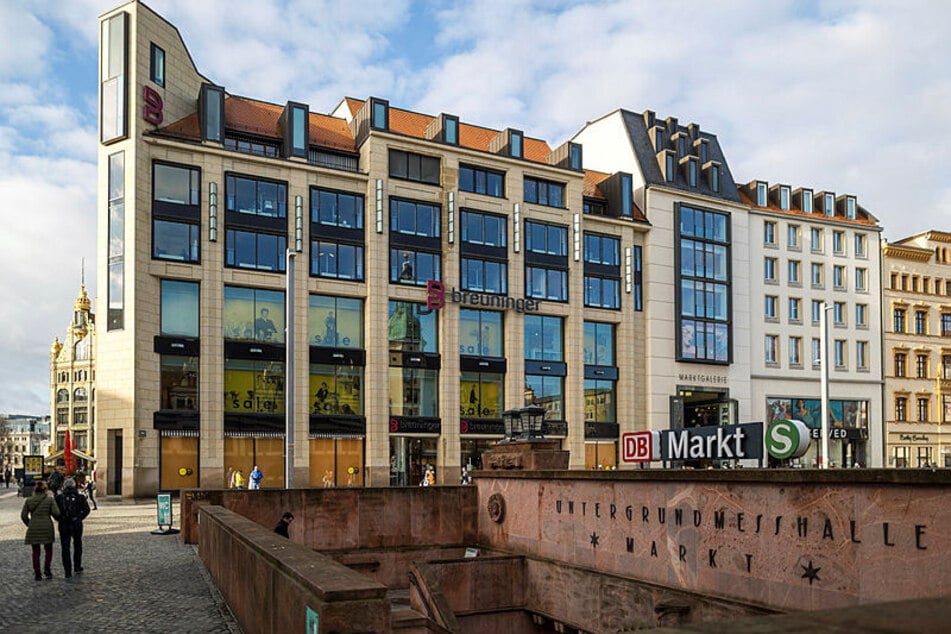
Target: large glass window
(253,314)
(544,192)
(599,249)
(179,308)
(601,292)
(408,266)
(704,285)
(115,298)
(336,390)
(543,338)
(480,332)
(413,391)
(256,250)
(412,327)
(600,401)
(335,322)
(546,239)
(178,383)
(172,240)
(481,394)
(414,218)
(336,260)
(257,197)
(414,167)
(899,320)
(481,181)
(485,229)
(254,387)
(598,343)
(334,208)
(547,392)
(544,283)
(175,184)
(486,276)
(113,90)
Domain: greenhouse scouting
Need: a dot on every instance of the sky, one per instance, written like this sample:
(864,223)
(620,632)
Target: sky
(848,96)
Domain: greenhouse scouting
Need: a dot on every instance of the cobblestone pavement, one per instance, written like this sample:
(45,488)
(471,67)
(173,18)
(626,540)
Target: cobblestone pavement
(132,581)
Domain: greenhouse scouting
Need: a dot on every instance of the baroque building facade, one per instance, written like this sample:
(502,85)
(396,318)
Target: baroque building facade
(917,362)
(426,273)
(73,383)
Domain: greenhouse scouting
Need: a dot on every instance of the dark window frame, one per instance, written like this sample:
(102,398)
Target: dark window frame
(418,168)
(484,173)
(538,191)
(156,64)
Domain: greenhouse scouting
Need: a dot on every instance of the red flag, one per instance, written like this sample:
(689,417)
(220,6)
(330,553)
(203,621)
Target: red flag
(68,458)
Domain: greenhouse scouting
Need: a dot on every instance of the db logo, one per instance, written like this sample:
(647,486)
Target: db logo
(394,425)
(641,446)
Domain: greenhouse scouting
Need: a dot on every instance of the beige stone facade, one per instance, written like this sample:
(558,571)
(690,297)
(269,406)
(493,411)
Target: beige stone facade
(917,361)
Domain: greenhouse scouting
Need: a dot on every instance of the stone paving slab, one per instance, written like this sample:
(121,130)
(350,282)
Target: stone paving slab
(133,581)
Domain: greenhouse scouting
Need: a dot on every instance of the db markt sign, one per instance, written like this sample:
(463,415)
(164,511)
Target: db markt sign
(716,442)
(787,439)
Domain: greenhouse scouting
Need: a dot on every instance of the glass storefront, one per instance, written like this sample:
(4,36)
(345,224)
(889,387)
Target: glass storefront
(267,452)
(336,462)
(848,428)
(178,461)
(409,458)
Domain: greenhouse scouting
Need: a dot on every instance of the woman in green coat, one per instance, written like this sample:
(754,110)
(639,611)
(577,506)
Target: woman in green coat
(37,514)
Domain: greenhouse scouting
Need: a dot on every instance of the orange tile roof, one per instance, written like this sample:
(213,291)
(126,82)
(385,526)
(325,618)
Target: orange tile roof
(862,216)
(473,137)
(262,119)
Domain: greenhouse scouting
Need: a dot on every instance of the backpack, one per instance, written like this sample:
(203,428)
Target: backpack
(72,507)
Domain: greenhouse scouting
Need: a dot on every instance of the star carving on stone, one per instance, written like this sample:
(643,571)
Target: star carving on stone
(594,540)
(812,574)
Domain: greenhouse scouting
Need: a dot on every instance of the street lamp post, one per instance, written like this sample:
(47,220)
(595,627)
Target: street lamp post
(824,385)
(289,373)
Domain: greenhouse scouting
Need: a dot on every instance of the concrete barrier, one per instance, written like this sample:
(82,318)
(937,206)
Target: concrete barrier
(270,582)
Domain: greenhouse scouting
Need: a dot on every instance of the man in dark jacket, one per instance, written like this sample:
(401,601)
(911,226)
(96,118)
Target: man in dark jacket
(73,510)
(284,524)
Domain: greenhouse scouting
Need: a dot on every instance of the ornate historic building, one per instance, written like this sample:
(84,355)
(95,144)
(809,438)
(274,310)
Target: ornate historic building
(73,382)
(917,360)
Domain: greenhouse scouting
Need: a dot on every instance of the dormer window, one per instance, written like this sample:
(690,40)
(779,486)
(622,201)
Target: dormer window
(515,144)
(828,204)
(761,192)
(850,207)
(670,170)
(574,156)
(212,113)
(627,196)
(681,144)
(713,177)
(450,129)
(295,128)
(703,150)
(807,203)
(379,114)
(690,165)
(784,197)
(658,138)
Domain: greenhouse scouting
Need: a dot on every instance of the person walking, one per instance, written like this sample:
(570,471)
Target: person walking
(284,523)
(238,479)
(256,477)
(7,476)
(73,509)
(89,488)
(38,512)
(55,481)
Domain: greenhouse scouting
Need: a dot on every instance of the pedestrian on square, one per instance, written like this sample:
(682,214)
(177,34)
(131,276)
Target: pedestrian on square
(238,479)
(229,478)
(73,509)
(7,476)
(284,524)
(55,481)
(38,512)
(256,477)
(89,488)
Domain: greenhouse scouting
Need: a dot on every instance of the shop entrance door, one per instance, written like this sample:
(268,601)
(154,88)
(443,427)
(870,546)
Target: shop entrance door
(408,459)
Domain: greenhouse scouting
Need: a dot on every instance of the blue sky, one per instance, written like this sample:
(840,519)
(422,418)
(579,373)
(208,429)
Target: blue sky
(849,96)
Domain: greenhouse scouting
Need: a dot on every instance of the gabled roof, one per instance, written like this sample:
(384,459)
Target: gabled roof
(647,159)
(259,118)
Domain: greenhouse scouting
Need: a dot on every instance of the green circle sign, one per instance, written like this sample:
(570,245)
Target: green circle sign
(787,439)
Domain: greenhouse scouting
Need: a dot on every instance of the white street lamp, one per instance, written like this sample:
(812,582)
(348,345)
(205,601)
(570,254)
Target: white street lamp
(824,385)
(289,373)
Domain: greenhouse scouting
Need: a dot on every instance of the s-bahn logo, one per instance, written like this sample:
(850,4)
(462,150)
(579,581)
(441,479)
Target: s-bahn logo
(436,297)
(787,439)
